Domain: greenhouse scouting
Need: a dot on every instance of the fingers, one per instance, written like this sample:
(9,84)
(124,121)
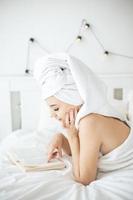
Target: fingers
(67,120)
(70,118)
(56,153)
(55,147)
(75,113)
(51,149)
(52,155)
(59,153)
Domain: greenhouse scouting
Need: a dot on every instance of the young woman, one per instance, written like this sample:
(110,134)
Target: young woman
(97,135)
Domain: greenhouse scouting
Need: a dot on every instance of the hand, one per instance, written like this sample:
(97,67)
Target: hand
(69,122)
(55,147)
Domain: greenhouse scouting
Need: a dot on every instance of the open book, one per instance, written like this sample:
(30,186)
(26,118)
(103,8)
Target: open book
(33,159)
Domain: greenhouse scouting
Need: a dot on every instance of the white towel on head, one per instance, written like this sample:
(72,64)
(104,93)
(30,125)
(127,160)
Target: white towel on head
(92,90)
(69,95)
(54,75)
(49,75)
(58,72)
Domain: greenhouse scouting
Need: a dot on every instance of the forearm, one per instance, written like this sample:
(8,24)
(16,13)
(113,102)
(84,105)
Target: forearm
(75,150)
(66,146)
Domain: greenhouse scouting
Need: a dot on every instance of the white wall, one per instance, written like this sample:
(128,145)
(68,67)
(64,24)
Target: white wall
(56,23)
(23,110)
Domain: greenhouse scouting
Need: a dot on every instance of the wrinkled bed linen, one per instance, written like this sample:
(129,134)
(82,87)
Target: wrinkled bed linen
(114,178)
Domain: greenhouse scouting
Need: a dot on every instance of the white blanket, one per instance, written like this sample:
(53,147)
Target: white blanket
(114,181)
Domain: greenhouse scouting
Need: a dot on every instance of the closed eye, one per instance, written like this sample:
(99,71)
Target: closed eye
(56,109)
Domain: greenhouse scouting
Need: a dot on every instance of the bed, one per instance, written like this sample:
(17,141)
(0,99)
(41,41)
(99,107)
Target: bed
(57,184)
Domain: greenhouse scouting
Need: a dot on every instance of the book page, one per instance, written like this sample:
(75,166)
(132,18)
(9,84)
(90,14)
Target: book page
(36,158)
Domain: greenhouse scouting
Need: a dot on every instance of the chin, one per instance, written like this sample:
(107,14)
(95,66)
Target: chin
(62,122)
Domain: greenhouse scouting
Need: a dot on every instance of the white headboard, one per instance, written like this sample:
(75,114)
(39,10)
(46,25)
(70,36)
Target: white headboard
(20,101)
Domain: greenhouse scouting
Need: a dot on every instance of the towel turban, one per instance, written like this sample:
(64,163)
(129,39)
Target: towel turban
(54,76)
(70,80)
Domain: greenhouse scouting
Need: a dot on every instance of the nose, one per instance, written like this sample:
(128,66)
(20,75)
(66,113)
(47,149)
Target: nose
(55,116)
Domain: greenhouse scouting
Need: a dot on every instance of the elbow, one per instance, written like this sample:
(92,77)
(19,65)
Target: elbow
(83,181)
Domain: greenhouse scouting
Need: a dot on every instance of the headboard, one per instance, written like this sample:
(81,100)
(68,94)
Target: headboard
(20,101)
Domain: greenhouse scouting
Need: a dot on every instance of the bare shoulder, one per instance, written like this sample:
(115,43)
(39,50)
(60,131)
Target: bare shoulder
(90,126)
(109,131)
(92,120)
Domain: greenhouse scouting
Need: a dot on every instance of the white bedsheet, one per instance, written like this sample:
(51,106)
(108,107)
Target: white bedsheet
(56,184)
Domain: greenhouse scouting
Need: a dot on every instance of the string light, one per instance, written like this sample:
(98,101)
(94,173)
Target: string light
(121,55)
(79,38)
(106,53)
(27,70)
(86,25)
(30,41)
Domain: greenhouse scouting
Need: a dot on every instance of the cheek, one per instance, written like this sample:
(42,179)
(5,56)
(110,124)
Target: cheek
(52,113)
(61,114)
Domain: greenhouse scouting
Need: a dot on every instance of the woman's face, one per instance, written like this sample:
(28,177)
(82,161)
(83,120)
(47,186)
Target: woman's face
(58,108)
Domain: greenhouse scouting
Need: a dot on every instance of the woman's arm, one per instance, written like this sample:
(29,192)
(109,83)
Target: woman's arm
(85,149)
(66,146)
(58,143)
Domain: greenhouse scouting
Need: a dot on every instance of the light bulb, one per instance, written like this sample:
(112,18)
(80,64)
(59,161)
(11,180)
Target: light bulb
(79,38)
(87,25)
(104,55)
(27,71)
(31,39)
